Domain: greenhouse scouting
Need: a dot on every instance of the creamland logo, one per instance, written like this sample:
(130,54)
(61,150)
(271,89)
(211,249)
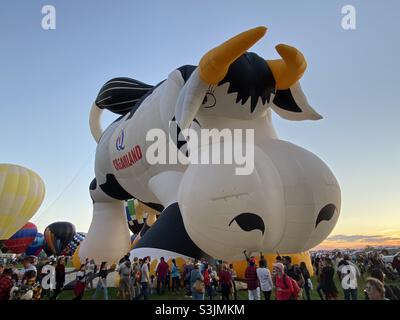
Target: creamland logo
(128,159)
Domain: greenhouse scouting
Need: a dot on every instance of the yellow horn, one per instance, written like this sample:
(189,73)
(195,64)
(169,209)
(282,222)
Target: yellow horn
(290,68)
(214,65)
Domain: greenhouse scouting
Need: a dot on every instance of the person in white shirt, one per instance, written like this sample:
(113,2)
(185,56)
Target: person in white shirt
(145,279)
(348,276)
(90,270)
(264,276)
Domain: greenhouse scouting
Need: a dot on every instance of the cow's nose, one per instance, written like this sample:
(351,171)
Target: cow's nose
(249,221)
(326,213)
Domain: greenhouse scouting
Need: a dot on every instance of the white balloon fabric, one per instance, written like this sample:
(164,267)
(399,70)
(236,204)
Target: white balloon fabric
(110,223)
(290,202)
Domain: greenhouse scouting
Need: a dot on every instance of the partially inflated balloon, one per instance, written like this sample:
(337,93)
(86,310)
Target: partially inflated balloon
(21,239)
(136,214)
(21,194)
(76,260)
(297,258)
(74,243)
(57,236)
(36,246)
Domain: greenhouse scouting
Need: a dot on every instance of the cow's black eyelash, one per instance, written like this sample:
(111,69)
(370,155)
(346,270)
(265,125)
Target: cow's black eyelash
(211,89)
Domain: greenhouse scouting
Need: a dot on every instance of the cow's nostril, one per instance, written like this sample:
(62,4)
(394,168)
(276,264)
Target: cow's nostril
(249,221)
(326,213)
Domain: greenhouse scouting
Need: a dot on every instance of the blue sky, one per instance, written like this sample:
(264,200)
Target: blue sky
(49,79)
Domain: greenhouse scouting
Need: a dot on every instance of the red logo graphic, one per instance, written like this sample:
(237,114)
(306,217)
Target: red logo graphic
(128,159)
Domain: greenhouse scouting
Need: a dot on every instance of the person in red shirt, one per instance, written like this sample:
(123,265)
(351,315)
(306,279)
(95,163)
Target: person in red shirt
(6,284)
(253,286)
(207,281)
(283,285)
(225,279)
(161,272)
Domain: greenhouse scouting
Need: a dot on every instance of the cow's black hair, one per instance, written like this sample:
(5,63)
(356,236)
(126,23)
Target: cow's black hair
(120,95)
(250,77)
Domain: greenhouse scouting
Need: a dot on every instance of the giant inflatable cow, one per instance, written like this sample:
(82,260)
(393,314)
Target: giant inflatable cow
(290,200)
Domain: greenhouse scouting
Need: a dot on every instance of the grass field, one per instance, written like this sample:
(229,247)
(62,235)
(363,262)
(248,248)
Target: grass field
(242,294)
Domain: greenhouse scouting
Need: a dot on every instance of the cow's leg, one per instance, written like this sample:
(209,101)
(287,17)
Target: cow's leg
(167,235)
(108,238)
(165,186)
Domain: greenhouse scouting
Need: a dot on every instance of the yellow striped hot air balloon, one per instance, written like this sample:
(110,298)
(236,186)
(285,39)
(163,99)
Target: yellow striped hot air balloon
(21,194)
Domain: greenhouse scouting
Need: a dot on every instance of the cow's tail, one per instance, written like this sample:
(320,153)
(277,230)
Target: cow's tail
(94,122)
(119,95)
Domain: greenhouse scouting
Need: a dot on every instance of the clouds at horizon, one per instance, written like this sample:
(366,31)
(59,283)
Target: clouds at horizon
(362,238)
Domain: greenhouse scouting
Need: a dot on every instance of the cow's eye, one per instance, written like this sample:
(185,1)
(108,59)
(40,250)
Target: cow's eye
(249,221)
(326,213)
(209,100)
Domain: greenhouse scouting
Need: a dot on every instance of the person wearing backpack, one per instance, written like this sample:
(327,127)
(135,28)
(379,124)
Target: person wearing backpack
(286,288)
(197,283)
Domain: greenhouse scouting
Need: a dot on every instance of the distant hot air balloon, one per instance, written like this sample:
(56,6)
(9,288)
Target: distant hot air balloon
(21,239)
(136,214)
(21,194)
(57,236)
(36,246)
(74,243)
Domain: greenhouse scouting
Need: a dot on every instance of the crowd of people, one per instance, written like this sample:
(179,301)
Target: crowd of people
(350,269)
(201,279)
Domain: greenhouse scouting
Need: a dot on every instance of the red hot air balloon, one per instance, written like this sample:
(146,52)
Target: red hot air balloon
(21,240)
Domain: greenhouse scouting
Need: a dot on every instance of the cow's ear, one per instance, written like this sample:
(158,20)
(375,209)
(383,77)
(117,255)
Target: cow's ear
(292,104)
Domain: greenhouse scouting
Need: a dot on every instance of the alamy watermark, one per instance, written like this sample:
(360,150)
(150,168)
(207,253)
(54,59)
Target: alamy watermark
(203,146)
(349,19)
(49,18)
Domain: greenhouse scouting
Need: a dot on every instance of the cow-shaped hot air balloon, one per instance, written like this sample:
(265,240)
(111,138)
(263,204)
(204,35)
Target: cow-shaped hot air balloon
(288,202)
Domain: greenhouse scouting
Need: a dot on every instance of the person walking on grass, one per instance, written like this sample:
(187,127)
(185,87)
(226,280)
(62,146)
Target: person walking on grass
(327,283)
(225,279)
(175,275)
(197,283)
(265,279)
(234,276)
(90,271)
(125,288)
(307,280)
(80,285)
(283,285)
(253,287)
(60,276)
(144,279)
(102,283)
(161,272)
(348,274)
